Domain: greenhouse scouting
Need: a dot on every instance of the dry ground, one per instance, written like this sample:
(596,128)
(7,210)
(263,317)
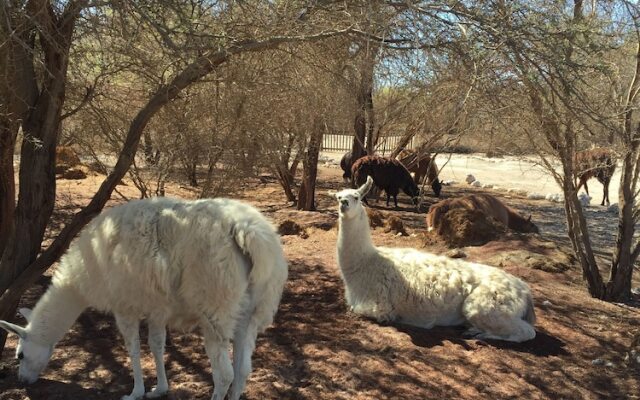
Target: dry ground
(318,350)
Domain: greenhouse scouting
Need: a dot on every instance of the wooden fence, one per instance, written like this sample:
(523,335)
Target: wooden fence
(341,142)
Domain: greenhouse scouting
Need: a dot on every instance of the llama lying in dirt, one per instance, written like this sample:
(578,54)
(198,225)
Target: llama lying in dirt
(425,290)
(217,264)
(488,204)
(388,174)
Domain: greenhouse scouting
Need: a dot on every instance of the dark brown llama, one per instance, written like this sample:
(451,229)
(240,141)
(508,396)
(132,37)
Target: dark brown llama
(599,163)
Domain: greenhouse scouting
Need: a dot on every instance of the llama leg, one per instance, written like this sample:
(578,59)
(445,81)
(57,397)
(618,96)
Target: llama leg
(130,329)
(244,342)
(389,198)
(605,185)
(586,188)
(216,344)
(157,340)
(495,321)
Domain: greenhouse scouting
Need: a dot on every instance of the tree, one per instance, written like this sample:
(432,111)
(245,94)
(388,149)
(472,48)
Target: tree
(40,36)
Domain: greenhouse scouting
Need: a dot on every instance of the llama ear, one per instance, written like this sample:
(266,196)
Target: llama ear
(364,189)
(26,313)
(12,328)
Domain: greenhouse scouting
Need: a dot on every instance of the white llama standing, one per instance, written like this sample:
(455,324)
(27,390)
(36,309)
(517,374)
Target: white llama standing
(217,264)
(425,290)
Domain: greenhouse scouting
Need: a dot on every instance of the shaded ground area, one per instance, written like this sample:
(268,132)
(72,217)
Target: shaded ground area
(317,349)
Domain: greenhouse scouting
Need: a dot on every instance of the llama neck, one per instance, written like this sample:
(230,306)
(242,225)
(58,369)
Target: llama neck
(354,240)
(54,314)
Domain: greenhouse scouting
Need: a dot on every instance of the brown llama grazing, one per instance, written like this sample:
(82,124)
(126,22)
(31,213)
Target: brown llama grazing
(388,174)
(599,163)
(420,163)
(488,205)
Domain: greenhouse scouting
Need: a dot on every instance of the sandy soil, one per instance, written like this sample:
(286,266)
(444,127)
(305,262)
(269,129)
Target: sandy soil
(319,350)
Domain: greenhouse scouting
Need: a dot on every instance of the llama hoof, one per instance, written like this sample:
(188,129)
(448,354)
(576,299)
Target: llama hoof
(156,392)
(133,396)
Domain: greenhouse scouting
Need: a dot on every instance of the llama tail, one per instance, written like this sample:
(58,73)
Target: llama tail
(269,270)
(529,313)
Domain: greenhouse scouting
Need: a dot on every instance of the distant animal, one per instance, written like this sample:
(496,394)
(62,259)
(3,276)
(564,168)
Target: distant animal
(388,174)
(345,163)
(599,163)
(423,289)
(488,204)
(217,264)
(421,164)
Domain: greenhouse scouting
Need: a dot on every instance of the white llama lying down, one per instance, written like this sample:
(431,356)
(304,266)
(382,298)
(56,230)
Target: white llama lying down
(425,290)
(217,264)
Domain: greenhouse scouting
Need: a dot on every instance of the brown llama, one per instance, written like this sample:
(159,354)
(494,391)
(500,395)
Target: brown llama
(489,205)
(599,163)
(388,174)
(421,164)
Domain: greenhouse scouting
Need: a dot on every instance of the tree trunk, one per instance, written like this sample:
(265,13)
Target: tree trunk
(7,181)
(306,195)
(619,283)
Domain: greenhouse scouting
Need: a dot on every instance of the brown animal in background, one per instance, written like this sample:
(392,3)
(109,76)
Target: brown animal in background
(388,174)
(421,165)
(599,163)
(487,204)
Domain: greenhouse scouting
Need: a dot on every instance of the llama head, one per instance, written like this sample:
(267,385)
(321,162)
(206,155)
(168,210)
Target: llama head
(33,356)
(412,190)
(349,199)
(529,226)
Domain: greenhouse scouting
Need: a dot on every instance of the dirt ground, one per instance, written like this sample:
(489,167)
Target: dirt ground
(318,350)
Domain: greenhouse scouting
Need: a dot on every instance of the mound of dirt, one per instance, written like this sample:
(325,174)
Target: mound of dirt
(461,227)
(554,261)
(376,218)
(289,227)
(395,225)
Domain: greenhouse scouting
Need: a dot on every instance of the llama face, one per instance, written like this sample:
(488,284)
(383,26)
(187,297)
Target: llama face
(348,202)
(33,356)
(349,199)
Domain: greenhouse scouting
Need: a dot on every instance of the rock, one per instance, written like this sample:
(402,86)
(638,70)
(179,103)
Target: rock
(635,291)
(609,364)
(547,303)
(449,182)
(535,196)
(476,184)
(395,225)
(470,179)
(584,199)
(456,253)
(77,172)
(555,261)
(598,361)
(487,186)
(613,208)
